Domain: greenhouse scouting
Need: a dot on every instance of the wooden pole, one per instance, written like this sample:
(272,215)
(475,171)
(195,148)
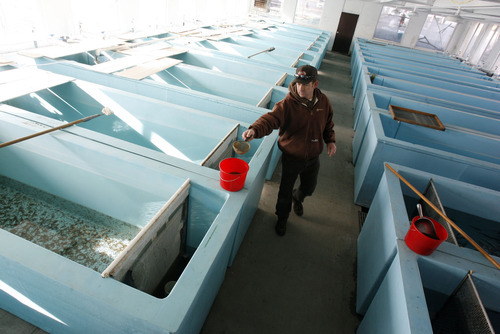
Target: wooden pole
(49,130)
(458,229)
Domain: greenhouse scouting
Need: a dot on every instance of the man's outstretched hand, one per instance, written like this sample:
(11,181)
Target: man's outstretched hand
(248,135)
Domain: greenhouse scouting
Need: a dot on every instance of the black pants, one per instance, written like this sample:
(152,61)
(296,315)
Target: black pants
(291,169)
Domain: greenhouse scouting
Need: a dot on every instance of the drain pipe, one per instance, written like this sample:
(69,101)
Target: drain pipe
(268,50)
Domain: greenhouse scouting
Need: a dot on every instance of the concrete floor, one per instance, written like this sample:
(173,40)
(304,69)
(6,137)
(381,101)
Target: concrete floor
(304,282)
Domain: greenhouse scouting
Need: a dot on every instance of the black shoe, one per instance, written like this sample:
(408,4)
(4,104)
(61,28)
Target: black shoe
(297,204)
(280,227)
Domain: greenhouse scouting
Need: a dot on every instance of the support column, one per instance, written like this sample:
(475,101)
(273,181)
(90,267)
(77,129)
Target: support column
(457,39)
(492,62)
(412,32)
(480,45)
(288,8)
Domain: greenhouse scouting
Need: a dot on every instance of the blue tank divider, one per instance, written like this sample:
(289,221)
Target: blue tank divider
(355,64)
(420,55)
(429,69)
(275,57)
(480,118)
(173,94)
(242,67)
(448,64)
(324,34)
(207,81)
(462,155)
(464,87)
(299,32)
(254,185)
(266,38)
(284,46)
(381,240)
(385,45)
(155,125)
(445,68)
(366,89)
(376,234)
(363,73)
(317,48)
(408,53)
(423,57)
(375,66)
(379,101)
(421,60)
(437,92)
(404,65)
(415,288)
(428,94)
(229,84)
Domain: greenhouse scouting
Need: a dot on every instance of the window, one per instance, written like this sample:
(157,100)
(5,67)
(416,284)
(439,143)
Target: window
(492,40)
(260,4)
(273,7)
(472,41)
(309,11)
(392,24)
(436,33)
(21,22)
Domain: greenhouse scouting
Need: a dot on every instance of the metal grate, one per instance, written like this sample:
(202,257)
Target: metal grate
(432,195)
(416,117)
(463,312)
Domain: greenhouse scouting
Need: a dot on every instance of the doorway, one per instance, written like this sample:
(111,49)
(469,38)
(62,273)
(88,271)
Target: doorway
(345,32)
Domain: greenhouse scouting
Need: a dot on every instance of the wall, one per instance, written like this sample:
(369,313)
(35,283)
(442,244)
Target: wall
(330,19)
(368,20)
(331,15)
(288,10)
(454,46)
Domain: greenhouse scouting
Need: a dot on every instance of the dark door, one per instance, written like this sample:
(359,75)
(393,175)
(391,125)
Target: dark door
(345,32)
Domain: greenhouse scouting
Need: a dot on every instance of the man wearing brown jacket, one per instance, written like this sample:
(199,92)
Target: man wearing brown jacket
(305,121)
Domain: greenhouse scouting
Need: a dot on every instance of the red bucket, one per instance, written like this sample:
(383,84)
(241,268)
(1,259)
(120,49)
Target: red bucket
(421,243)
(233,172)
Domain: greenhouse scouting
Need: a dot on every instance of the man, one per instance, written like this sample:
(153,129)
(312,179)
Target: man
(305,120)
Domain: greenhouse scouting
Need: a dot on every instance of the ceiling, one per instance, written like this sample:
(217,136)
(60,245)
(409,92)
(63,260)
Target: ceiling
(487,11)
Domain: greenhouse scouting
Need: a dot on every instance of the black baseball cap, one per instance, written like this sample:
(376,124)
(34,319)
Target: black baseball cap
(305,74)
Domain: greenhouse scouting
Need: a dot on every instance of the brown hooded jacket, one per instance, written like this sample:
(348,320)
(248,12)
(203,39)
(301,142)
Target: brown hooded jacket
(303,125)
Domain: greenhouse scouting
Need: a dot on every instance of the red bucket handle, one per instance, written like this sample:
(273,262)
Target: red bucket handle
(240,175)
